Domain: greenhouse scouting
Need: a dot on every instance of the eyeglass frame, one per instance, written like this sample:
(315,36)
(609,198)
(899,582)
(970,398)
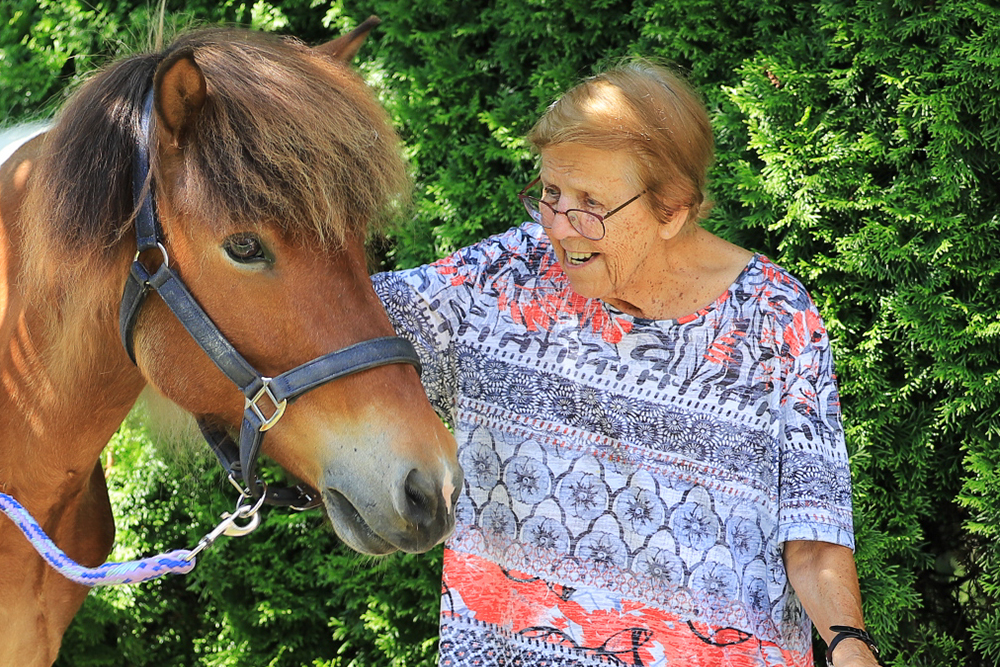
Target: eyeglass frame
(523,195)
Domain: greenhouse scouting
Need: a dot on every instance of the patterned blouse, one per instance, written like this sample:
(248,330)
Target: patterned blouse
(628,482)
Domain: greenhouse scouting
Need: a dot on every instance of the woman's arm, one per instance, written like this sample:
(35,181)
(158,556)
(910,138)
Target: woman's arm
(826,581)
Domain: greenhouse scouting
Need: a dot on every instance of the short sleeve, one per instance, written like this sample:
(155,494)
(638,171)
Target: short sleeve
(815,480)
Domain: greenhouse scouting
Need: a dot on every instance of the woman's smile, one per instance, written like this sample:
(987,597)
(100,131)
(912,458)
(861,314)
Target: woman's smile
(576,259)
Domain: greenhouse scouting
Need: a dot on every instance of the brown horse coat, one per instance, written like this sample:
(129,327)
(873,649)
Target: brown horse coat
(270,162)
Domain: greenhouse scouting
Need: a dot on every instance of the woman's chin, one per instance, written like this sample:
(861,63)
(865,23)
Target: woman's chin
(588,290)
(582,279)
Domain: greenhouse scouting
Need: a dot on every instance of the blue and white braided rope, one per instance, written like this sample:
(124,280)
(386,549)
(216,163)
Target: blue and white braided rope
(180,561)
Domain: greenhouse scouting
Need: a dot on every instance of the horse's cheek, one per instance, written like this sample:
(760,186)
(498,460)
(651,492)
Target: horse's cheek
(199,388)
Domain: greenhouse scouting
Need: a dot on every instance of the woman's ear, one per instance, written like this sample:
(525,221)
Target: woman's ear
(677,220)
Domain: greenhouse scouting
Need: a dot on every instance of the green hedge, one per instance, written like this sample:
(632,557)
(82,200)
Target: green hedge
(858,145)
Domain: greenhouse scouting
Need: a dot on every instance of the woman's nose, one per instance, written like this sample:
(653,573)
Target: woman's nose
(562,226)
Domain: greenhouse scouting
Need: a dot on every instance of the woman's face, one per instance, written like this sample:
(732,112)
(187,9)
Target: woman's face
(625,267)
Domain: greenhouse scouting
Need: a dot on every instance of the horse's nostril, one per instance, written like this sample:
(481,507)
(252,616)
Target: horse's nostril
(414,495)
(421,498)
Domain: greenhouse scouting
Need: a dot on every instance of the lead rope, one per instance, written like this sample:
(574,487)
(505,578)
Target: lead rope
(179,561)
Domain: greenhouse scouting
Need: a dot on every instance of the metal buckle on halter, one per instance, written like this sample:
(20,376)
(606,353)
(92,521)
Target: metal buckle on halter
(279,407)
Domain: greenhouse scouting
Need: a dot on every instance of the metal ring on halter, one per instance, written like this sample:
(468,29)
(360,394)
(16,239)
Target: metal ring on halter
(253,404)
(234,529)
(228,525)
(246,511)
(163,254)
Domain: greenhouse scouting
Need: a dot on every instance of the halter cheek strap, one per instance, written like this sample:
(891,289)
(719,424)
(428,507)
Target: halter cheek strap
(265,398)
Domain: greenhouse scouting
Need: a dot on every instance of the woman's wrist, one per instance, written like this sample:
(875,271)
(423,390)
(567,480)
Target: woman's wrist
(853,646)
(852,654)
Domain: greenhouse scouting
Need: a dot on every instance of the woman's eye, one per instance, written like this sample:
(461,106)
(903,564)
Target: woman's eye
(245,248)
(591,203)
(550,195)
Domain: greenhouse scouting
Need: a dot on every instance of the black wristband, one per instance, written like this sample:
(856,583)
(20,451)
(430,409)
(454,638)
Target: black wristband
(847,632)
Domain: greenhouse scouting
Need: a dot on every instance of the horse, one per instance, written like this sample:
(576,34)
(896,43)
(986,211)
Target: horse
(263,166)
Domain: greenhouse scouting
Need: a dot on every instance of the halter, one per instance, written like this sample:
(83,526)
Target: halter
(265,398)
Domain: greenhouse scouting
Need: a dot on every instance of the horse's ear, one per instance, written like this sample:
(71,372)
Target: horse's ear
(180,94)
(345,47)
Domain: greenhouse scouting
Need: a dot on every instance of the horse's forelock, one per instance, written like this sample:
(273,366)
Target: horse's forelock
(288,137)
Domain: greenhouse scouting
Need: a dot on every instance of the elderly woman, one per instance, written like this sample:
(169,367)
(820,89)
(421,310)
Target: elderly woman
(647,414)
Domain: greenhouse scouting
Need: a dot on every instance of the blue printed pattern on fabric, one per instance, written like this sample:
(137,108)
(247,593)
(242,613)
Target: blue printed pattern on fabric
(626,461)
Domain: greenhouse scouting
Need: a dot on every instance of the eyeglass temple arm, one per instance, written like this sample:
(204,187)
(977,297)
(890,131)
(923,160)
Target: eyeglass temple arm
(529,186)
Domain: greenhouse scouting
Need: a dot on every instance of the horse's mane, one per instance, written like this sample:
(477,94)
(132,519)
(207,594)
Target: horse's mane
(81,188)
(287,137)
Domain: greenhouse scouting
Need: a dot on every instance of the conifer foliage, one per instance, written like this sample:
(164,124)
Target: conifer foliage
(858,146)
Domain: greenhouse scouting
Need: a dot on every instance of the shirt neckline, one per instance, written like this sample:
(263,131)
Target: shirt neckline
(696,315)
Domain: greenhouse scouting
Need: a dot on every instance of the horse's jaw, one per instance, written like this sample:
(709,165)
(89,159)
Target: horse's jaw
(351,527)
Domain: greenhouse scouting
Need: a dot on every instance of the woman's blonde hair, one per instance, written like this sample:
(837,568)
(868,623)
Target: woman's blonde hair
(650,112)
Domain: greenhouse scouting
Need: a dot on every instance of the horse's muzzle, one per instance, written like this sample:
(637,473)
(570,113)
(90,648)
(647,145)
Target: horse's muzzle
(422,513)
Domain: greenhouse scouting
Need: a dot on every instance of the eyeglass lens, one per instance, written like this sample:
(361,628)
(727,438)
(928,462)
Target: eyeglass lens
(585,223)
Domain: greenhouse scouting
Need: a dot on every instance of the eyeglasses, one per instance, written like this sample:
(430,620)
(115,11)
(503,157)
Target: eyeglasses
(588,224)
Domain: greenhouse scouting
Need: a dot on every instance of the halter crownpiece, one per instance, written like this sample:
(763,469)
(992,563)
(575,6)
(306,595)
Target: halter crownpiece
(266,398)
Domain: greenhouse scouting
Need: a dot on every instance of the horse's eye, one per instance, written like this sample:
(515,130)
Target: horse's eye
(245,248)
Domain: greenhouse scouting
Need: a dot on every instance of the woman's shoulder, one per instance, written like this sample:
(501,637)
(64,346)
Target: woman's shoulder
(775,304)
(778,280)
(519,251)
(768,289)
(517,243)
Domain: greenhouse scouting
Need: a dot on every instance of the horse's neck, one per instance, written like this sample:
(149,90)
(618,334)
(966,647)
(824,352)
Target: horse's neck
(63,392)
(64,385)
(60,406)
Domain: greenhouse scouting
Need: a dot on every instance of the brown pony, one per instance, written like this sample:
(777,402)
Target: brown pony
(269,161)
